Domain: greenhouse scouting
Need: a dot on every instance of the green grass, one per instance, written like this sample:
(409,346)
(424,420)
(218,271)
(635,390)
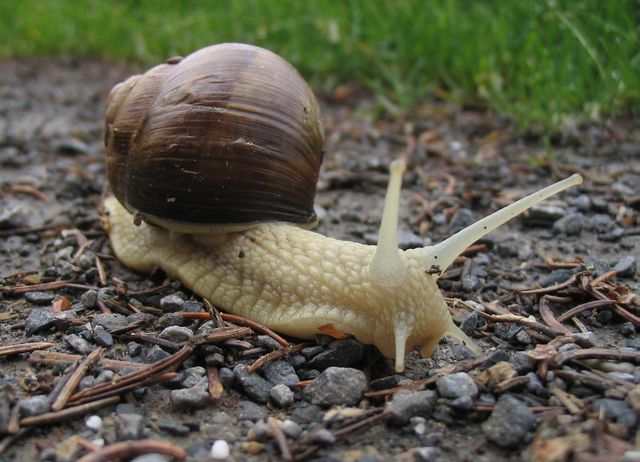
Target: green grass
(540,62)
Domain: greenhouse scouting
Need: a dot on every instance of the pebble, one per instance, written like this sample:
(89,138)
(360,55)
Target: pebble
(570,224)
(192,306)
(172,427)
(339,353)
(336,386)
(89,298)
(226,376)
(585,339)
(544,214)
(616,410)
(105,376)
(248,410)
(626,266)
(40,298)
(134,348)
(215,360)
(129,426)
(425,454)
(627,329)
(109,321)
(509,423)
(582,203)
(106,293)
(407,403)
(282,395)
(291,429)
(464,403)
(35,405)
(534,385)
(87,381)
(93,422)
(461,219)
(555,277)
(126,408)
(171,303)
(323,437)
(220,450)
(156,353)
(102,337)
(195,397)
(310,352)
(78,344)
(5,409)
(627,377)
(470,323)
(38,320)
(601,223)
(195,376)
(280,372)
(170,319)
(176,334)
(252,384)
(306,412)
(153,457)
(456,385)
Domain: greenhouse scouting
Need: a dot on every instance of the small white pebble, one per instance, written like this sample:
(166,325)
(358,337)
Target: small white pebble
(220,450)
(98,442)
(94,423)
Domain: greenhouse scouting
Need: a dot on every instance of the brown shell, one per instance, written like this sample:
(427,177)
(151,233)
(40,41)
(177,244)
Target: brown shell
(231,134)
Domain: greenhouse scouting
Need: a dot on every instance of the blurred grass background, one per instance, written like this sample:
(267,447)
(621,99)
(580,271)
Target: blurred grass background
(543,63)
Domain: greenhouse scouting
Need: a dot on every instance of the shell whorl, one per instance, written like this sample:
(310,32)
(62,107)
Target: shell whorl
(231,134)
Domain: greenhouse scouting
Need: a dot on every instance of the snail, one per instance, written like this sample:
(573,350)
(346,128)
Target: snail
(213,161)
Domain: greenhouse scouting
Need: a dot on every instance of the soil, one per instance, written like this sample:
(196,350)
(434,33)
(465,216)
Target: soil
(463,164)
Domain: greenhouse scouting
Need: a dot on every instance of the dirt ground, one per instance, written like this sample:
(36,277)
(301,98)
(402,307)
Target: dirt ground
(464,163)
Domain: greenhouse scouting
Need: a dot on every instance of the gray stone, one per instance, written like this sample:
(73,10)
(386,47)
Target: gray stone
(248,410)
(616,410)
(35,405)
(192,306)
(156,353)
(226,376)
(544,214)
(267,342)
(282,395)
(555,277)
(570,224)
(323,437)
(5,409)
(177,334)
(510,422)
(40,298)
(129,426)
(626,266)
(171,303)
(280,372)
(169,319)
(105,376)
(306,412)
(310,352)
(627,329)
(106,293)
(408,403)
(457,385)
(534,385)
(252,384)
(110,321)
(78,344)
(291,429)
(126,408)
(340,353)
(172,427)
(215,359)
(194,397)
(89,298)
(461,219)
(601,223)
(336,386)
(38,320)
(102,338)
(464,403)
(134,348)
(585,339)
(582,203)
(195,376)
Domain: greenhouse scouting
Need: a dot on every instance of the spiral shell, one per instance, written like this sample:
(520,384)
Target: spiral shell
(229,135)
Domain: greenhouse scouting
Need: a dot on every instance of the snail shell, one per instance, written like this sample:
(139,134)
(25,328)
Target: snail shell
(227,137)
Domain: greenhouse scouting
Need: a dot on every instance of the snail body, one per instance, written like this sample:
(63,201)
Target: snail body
(289,278)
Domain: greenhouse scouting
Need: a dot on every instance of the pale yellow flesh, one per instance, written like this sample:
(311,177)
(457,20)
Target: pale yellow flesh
(294,281)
